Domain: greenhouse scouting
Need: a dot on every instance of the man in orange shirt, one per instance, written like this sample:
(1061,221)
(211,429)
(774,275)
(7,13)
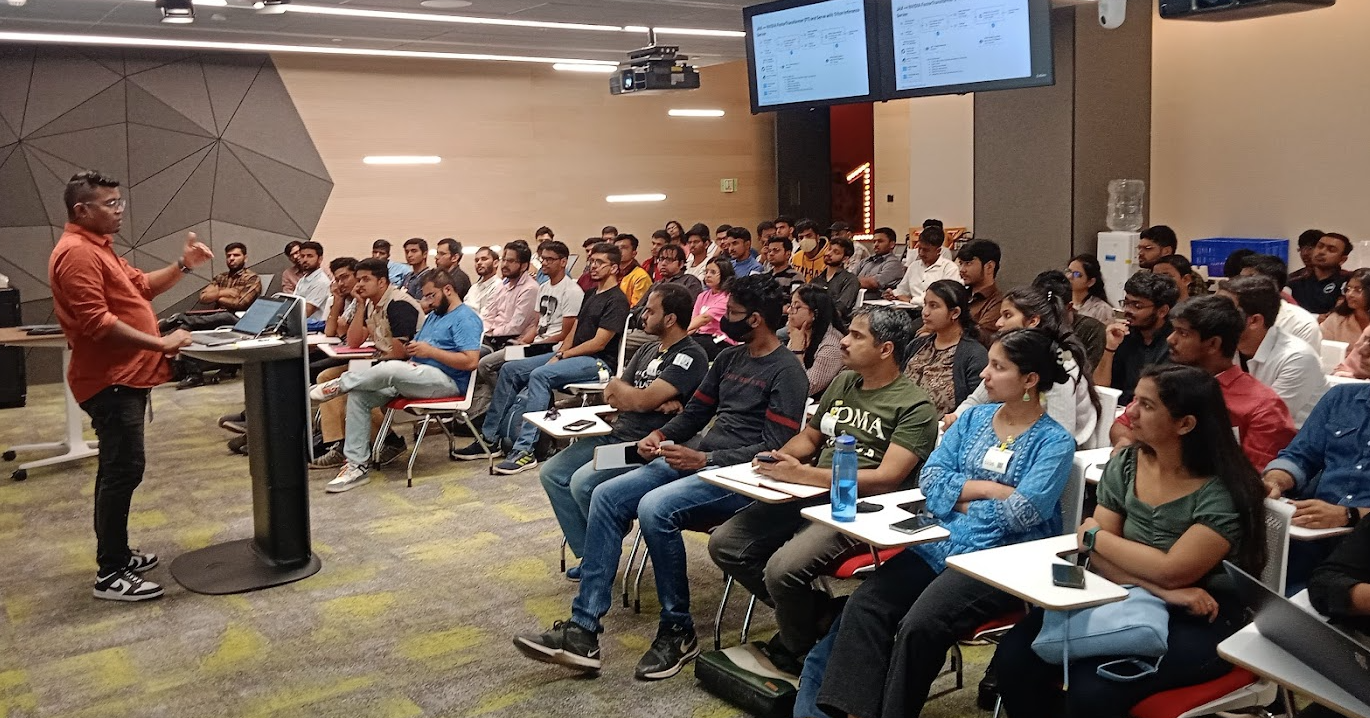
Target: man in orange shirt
(117,356)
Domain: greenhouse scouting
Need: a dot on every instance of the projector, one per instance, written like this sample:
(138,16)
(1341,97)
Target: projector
(653,69)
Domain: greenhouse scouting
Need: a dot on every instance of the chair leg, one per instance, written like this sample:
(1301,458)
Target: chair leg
(628,567)
(747,618)
(451,440)
(381,434)
(637,583)
(414,452)
(958,663)
(999,703)
(718,616)
(1288,702)
(480,439)
(563,554)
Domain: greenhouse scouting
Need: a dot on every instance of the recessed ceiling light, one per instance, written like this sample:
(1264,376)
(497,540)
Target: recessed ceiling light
(445,4)
(698,32)
(649,197)
(435,17)
(695,113)
(580,67)
(401,159)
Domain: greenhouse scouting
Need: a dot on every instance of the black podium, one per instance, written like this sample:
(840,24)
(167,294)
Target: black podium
(275,385)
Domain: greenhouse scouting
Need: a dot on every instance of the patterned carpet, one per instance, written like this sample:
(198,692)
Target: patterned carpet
(411,615)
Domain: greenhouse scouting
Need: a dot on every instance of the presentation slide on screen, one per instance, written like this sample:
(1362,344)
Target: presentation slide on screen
(811,53)
(958,42)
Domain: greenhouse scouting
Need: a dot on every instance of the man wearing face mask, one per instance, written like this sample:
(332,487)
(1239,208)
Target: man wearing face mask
(754,394)
(811,257)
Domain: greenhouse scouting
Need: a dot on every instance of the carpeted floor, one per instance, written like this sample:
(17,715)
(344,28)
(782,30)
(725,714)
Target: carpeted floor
(411,615)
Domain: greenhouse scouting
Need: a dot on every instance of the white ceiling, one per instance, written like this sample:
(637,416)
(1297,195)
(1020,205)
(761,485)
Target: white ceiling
(238,23)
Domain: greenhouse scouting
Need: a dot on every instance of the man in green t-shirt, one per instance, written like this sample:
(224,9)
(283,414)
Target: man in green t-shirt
(775,552)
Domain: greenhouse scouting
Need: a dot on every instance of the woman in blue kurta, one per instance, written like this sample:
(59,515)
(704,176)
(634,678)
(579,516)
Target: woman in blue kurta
(995,479)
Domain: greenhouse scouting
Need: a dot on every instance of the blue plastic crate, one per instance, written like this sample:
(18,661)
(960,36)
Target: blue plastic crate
(1213,252)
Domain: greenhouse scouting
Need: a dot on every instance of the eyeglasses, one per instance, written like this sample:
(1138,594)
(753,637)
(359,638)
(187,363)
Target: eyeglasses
(599,263)
(552,258)
(1074,274)
(116,203)
(1353,290)
(1134,304)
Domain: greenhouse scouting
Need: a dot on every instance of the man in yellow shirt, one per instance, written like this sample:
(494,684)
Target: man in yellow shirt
(636,281)
(810,260)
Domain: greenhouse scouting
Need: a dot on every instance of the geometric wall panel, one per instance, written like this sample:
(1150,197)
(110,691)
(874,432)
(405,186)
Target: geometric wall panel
(207,142)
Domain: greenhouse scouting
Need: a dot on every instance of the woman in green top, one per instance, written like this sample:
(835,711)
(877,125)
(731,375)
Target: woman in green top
(1170,511)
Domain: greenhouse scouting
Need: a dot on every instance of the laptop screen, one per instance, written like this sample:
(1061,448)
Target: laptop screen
(263,314)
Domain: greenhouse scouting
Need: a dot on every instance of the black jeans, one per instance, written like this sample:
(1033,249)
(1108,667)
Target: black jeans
(117,413)
(895,633)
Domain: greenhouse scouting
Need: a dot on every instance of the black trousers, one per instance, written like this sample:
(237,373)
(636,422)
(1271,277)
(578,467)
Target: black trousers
(895,633)
(118,414)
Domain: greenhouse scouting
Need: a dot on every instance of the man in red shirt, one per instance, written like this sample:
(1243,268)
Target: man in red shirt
(117,356)
(1205,336)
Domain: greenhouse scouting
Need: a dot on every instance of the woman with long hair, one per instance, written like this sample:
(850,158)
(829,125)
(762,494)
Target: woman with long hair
(711,305)
(1171,508)
(1087,293)
(1351,316)
(893,635)
(675,231)
(1178,268)
(946,359)
(815,336)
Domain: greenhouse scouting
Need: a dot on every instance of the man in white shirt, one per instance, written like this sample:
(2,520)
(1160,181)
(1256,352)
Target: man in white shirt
(927,267)
(1292,318)
(700,251)
(1278,360)
(315,285)
(487,279)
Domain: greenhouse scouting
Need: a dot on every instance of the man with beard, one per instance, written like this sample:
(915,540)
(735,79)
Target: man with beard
(314,285)
(441,359)
(1141,339)
(487,280)
(236,289)
(841,284)
(448,259)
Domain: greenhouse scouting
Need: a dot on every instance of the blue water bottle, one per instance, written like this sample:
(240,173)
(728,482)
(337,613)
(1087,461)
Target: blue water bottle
(844,479)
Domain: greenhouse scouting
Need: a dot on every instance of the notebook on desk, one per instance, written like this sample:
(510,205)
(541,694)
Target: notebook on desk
(745,474)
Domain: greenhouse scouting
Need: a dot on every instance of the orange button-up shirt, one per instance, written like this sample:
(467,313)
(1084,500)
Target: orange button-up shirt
(92,289)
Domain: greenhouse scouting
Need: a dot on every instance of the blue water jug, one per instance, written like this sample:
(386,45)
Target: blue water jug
(844,479)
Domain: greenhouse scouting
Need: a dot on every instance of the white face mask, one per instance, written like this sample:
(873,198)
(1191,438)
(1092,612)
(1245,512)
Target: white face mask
(807,245)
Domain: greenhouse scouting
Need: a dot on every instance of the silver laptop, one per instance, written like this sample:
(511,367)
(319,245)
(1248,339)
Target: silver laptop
(1322,646)
(263,317)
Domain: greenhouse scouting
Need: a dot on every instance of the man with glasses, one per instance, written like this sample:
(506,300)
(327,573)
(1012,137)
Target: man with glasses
(117,356)
(1141,339)
(448,259)
(670,263)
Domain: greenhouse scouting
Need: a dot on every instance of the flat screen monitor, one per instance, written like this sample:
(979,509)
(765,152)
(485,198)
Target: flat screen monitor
(946,47)
(807,53)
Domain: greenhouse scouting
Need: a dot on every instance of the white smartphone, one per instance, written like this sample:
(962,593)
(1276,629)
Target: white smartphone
(618,456)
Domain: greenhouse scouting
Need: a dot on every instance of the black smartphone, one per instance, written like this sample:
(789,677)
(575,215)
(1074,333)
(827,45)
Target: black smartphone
(767,459)
(914,507)
(581,425)
(1067,575)
(914,525)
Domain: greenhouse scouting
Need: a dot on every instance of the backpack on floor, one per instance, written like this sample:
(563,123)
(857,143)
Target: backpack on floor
(742,676)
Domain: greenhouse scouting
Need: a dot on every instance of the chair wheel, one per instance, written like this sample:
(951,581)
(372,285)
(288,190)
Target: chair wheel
(8,456)
(20,474)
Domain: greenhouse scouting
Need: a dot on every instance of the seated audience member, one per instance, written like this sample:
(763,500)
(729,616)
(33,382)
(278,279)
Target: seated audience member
(670,262)
(487,279)
(896,629)
(558,303)
(1283,363)
(1324,471)
(1088,296)
(388,318)
(1292,318)
(608,234)
(785,227)
(700,250)
(441,358)
(1170,511)
(1356,363)
(237,288)
(840,284)
(710,307)
(815,336)
(314,283)
(1074,404)
(880,272)
(843,230)
(811,250)
(720,246)
(1155,242)
(1140,339)
(739,249)
(1236,261)
(416,256)
(1351,316)
(633,279)
(1089,331)
(448,259)
(773,551)
(543,235)
(590,354)
(765,229)
(666,370)
(675,232)
(777,254)
(512,307)
(1308,241)
(978,262)
(380,249)
(342,300)
(290,276)
(659,239)
(1340,586)
(927,266)
(1205,335)
(586,280)
(1318,292)
(754,395)
(946,359)
(1178,268)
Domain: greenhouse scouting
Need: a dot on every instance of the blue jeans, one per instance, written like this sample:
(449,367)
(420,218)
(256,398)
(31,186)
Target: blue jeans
(569,478)
(665,501)
(527,385)
(376,385)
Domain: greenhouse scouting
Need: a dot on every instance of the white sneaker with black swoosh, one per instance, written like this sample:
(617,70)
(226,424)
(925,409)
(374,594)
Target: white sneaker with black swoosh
(125,585)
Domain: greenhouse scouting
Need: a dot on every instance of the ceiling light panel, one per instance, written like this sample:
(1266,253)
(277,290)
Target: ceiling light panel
(401,159)
(647,197)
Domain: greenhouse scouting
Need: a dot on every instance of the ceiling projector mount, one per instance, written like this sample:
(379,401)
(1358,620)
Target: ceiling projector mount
(654,68)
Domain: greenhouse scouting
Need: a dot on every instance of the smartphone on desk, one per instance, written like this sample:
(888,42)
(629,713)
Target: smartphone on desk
(767,459)
(1069,575)
(581,425)
(915,524)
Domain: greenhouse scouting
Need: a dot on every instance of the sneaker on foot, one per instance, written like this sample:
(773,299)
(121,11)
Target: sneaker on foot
(784,659)
(236,423)
(567,644)
(673,648)
(238,444)
(331,459)
(191,382)
(517,463)
(125,585)
(140,562)
(326,390)
(390,451)
(350,477)
(573,574)
(473,452)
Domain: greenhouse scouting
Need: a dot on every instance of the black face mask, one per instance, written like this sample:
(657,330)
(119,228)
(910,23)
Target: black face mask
(739,331)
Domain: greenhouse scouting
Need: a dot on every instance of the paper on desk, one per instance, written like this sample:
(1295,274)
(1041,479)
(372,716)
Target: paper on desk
(745,474)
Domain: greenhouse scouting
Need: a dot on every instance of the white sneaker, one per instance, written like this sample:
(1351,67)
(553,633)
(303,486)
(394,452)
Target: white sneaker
(326,390)
(349,478)
(125,585)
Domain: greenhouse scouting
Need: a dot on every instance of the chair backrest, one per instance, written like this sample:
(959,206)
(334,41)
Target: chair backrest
(1073,500)
(1108,409)
(623,345)
(266,283)
(1331,354)
(1278,515)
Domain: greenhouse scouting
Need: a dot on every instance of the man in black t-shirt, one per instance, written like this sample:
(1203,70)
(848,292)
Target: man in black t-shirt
(590,354)
(667,369)
(1318,291)
(1140,340)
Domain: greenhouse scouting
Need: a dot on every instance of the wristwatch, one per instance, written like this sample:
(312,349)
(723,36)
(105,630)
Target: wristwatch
(185,269)
(1090,537)
(559,356)
(1352,517)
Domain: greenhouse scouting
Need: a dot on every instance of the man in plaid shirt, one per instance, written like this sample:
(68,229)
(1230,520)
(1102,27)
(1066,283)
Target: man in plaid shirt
(236,289)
